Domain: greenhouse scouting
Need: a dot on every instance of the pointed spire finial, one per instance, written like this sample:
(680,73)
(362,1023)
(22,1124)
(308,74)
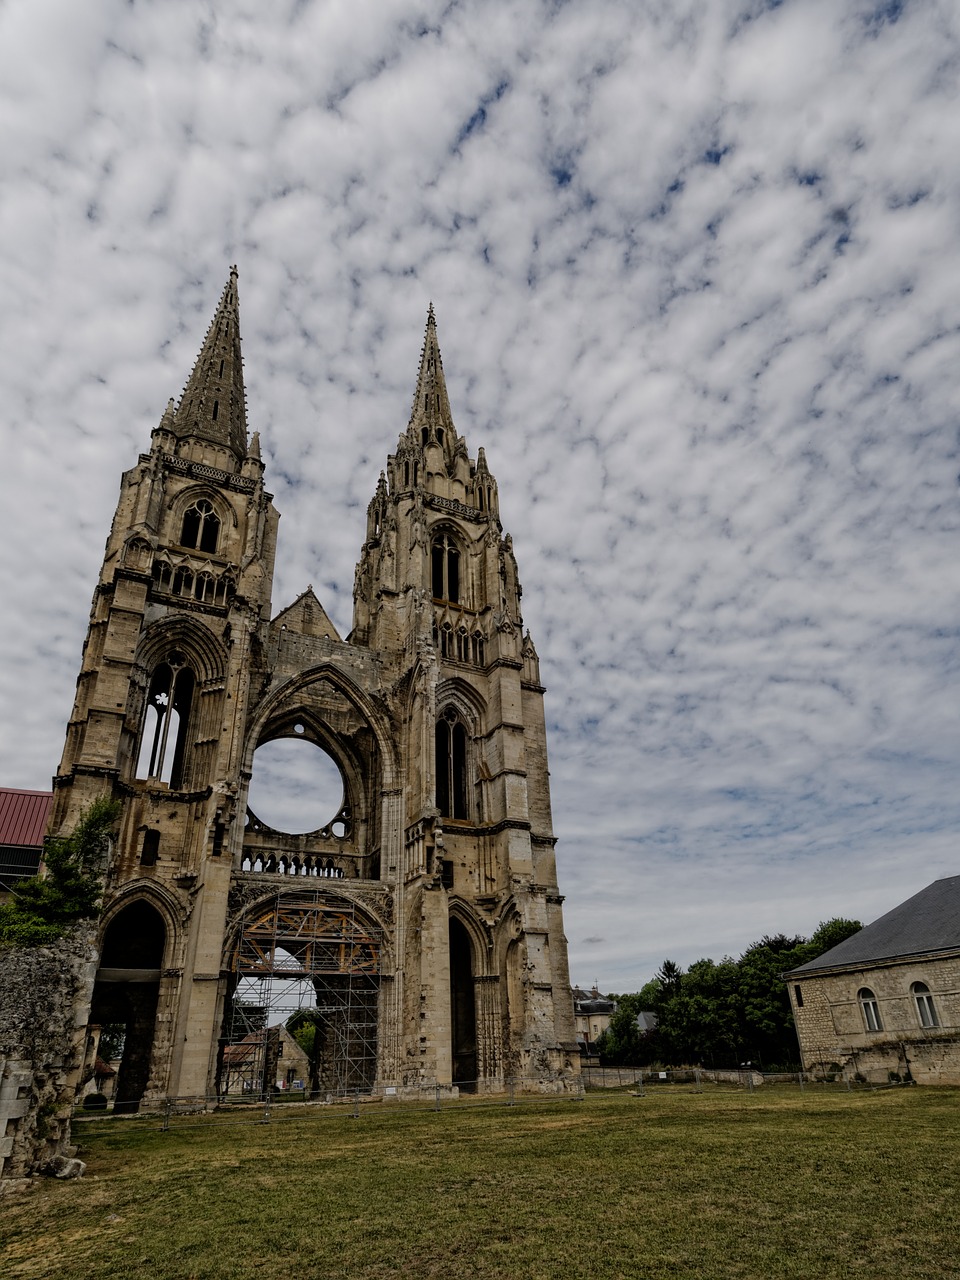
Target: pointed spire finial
(213,405)
(430,418)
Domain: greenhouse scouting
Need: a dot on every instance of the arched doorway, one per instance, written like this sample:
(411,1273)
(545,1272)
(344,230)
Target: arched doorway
(126,992)
(463,1013)
(308,964)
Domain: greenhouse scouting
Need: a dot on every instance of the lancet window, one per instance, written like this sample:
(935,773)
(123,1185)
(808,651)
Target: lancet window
(201,526)
(451,741)
(445,566)
(166,718)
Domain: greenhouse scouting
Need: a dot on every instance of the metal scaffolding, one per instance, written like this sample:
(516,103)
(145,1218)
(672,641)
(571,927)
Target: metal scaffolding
(311,961)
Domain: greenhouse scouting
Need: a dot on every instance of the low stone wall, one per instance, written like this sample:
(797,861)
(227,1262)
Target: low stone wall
(44,1000)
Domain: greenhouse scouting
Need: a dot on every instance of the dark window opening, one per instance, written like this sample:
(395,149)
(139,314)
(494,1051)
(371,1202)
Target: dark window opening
(201,526)
(218,833)
(451,758)
(445,569)
(216,409)
(424,435)
(798,996)
(151,848)
(221,369)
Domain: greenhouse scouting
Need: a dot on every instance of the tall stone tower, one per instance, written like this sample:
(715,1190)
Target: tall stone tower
(416,933)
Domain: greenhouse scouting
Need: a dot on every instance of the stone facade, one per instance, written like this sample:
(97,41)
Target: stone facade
(44,999)
(424,915)
(832,1022)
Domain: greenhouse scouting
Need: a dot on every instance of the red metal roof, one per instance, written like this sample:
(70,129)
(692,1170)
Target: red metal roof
(23,816)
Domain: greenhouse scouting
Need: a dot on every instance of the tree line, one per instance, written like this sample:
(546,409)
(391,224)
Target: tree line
(719,1014)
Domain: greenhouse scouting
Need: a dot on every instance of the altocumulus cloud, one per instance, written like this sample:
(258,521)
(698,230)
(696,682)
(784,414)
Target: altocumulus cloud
(694,269)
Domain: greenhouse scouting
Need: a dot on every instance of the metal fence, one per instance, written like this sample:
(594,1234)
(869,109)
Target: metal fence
(170,1113)
(699,1079)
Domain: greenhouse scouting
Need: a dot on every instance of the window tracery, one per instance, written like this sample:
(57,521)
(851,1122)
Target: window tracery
(166,718)
(201,526)
(445,569)
(451,759)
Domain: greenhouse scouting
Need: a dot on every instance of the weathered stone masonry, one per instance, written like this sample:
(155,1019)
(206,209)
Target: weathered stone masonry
(425,913)
(44,999)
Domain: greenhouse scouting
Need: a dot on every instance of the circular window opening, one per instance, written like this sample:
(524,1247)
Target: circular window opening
(296,786)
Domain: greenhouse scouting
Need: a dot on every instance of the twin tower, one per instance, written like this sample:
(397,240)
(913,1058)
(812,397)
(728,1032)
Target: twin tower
(417,932)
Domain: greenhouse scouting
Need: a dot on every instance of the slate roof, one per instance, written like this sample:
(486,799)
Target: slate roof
(23,816)
(929,921)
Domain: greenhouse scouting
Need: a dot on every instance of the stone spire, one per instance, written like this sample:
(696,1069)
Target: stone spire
(213,405)
(430,417)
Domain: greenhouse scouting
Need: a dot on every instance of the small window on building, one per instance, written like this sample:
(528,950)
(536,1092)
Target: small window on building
(926,1010)
(798,995)
(870,1009)
(151,848)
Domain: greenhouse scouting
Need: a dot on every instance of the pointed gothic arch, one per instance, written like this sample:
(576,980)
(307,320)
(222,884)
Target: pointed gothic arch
(203,649)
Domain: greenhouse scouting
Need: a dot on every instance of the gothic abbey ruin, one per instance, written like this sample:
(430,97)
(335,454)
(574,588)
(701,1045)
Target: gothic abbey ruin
(419,927)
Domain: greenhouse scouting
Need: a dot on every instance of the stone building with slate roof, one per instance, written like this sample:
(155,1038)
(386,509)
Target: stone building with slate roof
(885,1003)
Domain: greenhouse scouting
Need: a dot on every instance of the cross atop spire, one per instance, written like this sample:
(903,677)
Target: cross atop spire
(430,416)
(213,404)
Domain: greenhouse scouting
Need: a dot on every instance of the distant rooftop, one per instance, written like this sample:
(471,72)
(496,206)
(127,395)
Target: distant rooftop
(929,921)
(23,816)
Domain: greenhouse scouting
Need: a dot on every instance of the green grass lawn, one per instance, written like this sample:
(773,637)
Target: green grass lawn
(772,1184)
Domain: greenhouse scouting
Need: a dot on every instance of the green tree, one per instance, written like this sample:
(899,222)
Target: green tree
(45,906)
(620,1043)
(768,1033)
(830,933)
(722,1014)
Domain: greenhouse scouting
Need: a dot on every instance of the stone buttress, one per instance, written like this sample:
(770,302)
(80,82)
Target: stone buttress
(423,918)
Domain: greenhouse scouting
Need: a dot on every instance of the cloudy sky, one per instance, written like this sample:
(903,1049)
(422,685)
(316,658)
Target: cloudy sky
(695,265)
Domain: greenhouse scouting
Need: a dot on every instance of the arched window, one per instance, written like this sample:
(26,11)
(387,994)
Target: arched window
(445,564)
(870,1009)
(451,740)
(164,737)
(201,526)
(926,1010)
